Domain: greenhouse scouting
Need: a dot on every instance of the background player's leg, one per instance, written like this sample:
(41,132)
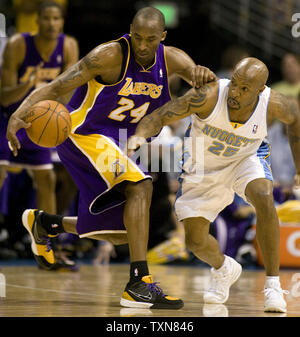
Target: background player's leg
(260,194)
(45,185)
(2,175)
(201,243)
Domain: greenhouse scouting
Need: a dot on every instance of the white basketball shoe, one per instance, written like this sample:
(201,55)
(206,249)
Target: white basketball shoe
(274,299)
(221,281)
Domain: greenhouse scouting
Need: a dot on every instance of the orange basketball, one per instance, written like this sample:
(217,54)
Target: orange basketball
(50,123)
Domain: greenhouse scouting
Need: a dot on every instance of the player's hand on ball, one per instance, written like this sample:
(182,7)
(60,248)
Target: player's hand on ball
(201,75)
(14,125)
(133,143)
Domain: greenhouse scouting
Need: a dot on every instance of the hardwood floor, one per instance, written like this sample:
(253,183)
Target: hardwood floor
(95,292)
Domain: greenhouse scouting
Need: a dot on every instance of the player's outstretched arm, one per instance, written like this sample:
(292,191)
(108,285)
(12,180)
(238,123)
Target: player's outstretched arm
(196,101)
(180,63)
(287,110)
(99,61)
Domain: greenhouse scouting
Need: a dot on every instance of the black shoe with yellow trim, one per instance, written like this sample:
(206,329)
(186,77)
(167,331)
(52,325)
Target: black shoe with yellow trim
(147,294)
(40,245)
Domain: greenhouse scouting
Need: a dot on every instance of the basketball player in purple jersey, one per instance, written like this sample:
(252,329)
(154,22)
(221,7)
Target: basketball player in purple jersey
(29,62)
(118,83)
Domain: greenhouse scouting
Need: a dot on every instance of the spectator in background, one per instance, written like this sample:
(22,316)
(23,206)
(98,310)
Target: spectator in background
(282,163)
(231,56)
(290,70)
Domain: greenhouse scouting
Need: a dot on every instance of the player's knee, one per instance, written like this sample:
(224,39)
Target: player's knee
(140,191)
(263,200)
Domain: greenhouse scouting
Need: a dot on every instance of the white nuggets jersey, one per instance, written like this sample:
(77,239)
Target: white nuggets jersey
(223,141)
(221,158)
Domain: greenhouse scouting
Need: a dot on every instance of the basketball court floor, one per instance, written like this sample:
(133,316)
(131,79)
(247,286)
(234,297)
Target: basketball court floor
(94,291)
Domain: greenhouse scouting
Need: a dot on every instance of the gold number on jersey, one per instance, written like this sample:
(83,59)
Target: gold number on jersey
(139,112)
(128,104)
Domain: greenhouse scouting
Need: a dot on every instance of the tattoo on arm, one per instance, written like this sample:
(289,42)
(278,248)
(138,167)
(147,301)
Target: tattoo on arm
(184,106)
(71,75)
(174,110)
(283,108)
(91,61)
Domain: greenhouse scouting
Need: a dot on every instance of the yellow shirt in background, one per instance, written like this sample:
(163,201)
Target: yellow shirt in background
(26,21)
(287,89)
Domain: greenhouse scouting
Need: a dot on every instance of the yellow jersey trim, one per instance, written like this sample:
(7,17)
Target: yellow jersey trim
(127,62)
(236,125)
(167,70)
(78,116)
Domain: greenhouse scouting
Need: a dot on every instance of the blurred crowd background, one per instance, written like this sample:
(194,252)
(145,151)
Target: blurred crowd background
(216,34)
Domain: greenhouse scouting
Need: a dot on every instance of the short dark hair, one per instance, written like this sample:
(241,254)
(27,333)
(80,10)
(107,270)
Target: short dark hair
(151,13)
(48,4)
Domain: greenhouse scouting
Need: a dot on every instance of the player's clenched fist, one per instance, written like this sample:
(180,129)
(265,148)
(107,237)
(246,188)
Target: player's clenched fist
(201,75)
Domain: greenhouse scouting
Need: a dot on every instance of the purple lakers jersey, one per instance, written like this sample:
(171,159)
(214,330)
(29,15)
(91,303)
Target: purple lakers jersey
(49,69)
(105,109)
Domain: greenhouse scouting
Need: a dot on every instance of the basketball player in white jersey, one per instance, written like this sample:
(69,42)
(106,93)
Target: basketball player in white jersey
(231,117)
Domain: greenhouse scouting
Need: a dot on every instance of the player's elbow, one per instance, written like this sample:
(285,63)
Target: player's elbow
(5,98)
(4,102)
(48,91)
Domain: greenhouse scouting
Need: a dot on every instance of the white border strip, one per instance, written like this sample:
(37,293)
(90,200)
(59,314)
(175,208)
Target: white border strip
(103,232)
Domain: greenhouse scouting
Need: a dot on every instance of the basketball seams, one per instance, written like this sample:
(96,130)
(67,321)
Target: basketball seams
(47,130)
(59,114)
(41,115)
(47,123)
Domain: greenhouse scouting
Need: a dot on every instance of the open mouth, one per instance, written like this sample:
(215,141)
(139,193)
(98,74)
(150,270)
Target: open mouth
(232,102)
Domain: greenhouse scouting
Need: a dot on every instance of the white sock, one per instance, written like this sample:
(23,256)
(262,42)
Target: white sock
(272,281)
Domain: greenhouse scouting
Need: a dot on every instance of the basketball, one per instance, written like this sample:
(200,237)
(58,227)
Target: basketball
(50,123)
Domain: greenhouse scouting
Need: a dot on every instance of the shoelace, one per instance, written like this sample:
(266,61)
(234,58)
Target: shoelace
(217,284)
(267,291)
(48,243)
(155,288)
